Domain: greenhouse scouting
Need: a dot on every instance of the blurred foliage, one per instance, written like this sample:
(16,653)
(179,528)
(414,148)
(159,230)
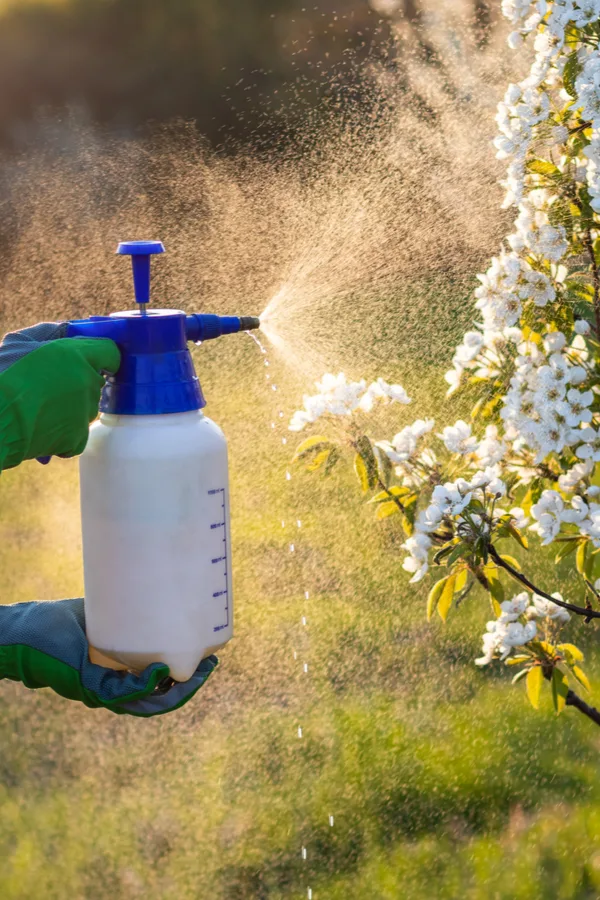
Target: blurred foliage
(233,66)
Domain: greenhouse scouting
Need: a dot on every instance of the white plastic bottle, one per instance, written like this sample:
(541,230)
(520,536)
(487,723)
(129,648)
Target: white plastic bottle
(156,540)
(155,491)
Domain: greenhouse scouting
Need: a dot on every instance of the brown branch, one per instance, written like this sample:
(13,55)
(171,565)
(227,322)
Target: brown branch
(518,576)
(591,712)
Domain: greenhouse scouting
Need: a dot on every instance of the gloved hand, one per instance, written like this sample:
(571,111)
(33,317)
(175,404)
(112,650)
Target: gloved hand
(50,389)
(44,645)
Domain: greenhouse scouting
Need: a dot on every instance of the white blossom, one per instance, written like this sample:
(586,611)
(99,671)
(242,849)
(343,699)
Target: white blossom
(458,438)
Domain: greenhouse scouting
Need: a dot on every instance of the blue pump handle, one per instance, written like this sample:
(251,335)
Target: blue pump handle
(140,252)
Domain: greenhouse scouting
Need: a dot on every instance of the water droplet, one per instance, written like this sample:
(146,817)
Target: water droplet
(292,548)
(266,362)
(267,376)
(309,893)
(306,595)
(306,667)
(272,424)
(304,620)
(281,415)
(304,853)
(284,440)
(299,523)
(295,655)
(273,387)
(288,476)
(299,732)
(331,821)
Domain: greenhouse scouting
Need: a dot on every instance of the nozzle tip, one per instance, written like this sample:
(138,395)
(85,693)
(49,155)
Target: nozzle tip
(249,323)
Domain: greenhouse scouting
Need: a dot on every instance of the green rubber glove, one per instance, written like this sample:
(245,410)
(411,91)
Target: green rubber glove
(50,394)
(44,645)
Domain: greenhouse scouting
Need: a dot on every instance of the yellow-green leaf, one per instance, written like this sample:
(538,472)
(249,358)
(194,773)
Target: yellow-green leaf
(560,689)
(396,491)
(572,653)
(434,595)
(387,509)
(461,581)
(445,601)
(511,561)
(518,536)
(581,677)
(318,461)
(310,444)
(516,660)
(580,556)
(535,677)
(361,472)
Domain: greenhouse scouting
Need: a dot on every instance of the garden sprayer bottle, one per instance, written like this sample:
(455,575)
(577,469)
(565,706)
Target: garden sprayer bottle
(155,491)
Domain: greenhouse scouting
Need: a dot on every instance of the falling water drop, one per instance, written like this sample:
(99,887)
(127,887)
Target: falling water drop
(299,523)
(288,476)
(304,620)
(304,853)
(284,440)
(283,523)
(299,731)
(309,893)
(306,595)
(331,821)
(306,667)
(292,548)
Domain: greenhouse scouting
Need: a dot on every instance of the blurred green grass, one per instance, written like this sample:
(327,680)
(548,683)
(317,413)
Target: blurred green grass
(441,780)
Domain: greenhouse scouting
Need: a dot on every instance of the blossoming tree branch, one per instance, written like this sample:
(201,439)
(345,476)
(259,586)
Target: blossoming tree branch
(528,465)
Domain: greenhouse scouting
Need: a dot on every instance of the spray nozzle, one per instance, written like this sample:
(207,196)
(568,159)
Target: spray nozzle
(140,252)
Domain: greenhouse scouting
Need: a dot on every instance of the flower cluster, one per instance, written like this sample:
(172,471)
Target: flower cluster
(516,625)
(336,396)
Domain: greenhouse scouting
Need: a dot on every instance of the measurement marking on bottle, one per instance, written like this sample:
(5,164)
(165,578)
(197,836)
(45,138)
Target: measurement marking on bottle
(221,560)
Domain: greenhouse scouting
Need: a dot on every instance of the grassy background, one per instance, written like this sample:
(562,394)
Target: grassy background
(442,781)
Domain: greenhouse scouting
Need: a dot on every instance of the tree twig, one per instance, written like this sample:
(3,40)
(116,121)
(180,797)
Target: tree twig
(575,700)
(518,576)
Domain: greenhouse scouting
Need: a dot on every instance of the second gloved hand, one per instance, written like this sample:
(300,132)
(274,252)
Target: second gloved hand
(50,390)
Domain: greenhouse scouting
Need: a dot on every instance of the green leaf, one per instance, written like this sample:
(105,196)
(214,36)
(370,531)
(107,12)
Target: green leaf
(535,677)
(387,509)
(458,551)
(318,461)
(564,550)
(434,595)
(582,678)
(560,689)
(518,536)
(445,601)
(384,464)
(334,456)
(570,73)
(310,445)
(543,167)
(410,512)
(516,660)
(571,653)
